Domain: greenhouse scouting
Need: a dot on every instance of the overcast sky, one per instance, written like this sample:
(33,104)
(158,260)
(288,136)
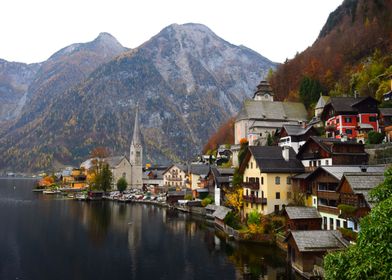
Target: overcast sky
(32,30)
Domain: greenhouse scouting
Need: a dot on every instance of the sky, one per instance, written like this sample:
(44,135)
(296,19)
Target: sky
(31,31)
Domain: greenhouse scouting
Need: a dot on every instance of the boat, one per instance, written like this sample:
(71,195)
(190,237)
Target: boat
(51,192)
(81,196)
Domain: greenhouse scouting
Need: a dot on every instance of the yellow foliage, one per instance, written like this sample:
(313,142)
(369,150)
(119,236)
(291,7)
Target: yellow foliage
(235,200)
(255,229)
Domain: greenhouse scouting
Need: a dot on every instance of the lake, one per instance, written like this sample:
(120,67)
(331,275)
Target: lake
(49,237)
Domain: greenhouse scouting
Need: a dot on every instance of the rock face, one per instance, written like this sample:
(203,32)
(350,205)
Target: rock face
(186,79)
(15,79)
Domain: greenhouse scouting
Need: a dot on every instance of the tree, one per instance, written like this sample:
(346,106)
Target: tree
(309,91)
(106,178)
(375,137)
(370,257)
(122,184)
(235,200)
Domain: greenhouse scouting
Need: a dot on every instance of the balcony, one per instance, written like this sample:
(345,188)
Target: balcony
(254,199)
(330,195)
(174,179)
(328,209)
(254,186)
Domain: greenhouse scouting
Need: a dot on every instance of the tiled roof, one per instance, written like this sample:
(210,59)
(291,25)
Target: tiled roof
(221,212)
(339,170)
(319,240)
(270,159)
(362,183)
(345,104)
(296,213)
(113,161)
(272,110)
(199,169)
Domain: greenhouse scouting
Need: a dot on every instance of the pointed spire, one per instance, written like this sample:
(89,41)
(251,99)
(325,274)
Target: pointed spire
(136,129)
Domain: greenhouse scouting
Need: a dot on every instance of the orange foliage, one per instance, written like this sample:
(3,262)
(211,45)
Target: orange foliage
(46,181)
(243,141)
(224,135)
(100,152)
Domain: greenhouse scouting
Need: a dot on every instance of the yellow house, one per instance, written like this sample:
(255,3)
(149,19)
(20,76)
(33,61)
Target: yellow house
(267,172)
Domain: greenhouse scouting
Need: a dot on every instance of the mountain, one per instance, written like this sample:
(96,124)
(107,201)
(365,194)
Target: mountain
(353,33)
(15,79)
(186,80)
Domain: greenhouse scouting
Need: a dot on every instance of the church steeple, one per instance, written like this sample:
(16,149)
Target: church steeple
(136,153)
(136,129)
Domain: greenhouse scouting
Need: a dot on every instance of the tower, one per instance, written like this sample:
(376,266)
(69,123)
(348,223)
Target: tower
(136,154)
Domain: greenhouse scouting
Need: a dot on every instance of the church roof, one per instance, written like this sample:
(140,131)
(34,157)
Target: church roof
(114,161)
(272,110)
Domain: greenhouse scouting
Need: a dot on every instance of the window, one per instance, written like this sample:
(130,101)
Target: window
(288,195)
(372,119)
(262,180)
(345,224)
(319,162)
(247,193)
(326,162)
(246,179)
(124,175)
(337,121)
(349,131)
(324,222)
(337,223)
(314,163)
(276,208)
(277,195)
(310,163)
(251,165)
(314,201)
(288,180)
(277,180)
(347,120)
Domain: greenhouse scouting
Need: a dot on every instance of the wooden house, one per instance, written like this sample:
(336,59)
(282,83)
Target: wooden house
(318,151)
(302,218)
(306,249)
(354,191)
(295,136)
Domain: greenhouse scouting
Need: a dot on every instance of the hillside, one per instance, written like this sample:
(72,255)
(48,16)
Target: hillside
(186,79)
(350,54)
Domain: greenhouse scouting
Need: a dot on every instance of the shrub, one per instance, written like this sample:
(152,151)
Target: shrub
(188,197)
(206,201)
(232,220)
(375,137)
(122,184)
(254,218)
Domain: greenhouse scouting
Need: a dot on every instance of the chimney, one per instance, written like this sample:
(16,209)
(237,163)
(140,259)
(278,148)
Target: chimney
(286,153)
(355,94)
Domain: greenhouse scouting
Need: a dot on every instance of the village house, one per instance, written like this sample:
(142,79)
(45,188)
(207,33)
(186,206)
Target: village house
(175,176)
(153,180)
(351,117)
(323,184)
(354,191)
(198,182)
(386,123)
(219,181)
(306,249)
(267,172)
(262,116)
(74,178)
(319,151)
(295,136)
(302,218)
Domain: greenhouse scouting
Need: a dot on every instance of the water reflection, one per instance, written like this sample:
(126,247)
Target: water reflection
(70,239)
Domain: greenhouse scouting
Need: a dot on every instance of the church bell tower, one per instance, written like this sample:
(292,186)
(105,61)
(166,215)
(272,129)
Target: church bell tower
(136,154)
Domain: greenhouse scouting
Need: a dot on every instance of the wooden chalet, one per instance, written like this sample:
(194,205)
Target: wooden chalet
(306,249)
(318,151)
(302,218)
(354,191)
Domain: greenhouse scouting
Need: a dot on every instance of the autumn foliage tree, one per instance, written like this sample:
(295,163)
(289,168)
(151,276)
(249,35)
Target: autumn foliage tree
(224,135)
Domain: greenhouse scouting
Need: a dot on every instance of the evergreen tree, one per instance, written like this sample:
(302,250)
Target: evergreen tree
(122,184)
(309,91)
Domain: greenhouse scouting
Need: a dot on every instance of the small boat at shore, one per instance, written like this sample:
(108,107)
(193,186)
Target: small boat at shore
(51,192)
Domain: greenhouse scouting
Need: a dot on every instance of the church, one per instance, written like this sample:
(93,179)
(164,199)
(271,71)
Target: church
(121,166)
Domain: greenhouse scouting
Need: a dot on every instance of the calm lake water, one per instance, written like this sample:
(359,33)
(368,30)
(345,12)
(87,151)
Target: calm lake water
(48,237)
